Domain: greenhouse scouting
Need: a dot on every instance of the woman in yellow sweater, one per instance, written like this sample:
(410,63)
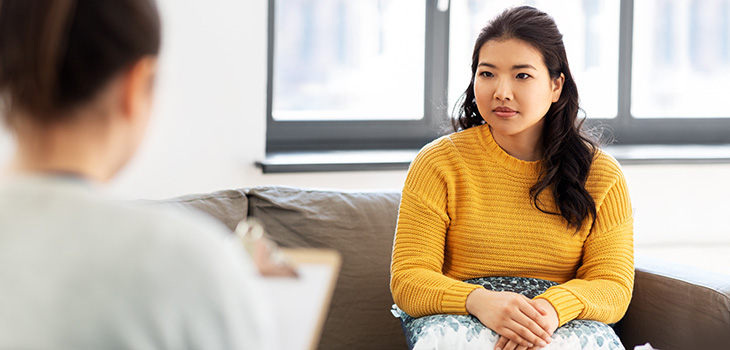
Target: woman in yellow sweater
(516,231)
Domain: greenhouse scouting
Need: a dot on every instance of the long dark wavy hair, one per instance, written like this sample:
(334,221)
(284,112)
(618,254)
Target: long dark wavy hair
(568,150)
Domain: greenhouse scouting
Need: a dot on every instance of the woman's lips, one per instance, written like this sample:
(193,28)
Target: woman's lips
(504,112)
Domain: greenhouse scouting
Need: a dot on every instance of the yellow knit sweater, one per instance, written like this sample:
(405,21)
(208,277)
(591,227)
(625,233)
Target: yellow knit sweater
(466,213)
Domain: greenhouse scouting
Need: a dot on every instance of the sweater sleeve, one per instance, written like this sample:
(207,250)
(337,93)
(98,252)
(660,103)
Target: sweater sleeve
(417,283)
(604,282)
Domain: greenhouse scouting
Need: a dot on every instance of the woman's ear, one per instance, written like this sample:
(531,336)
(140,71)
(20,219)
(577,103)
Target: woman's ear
(558,87)
(131,116)
(137,88)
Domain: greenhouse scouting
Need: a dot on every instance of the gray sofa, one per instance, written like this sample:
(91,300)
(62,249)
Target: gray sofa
(673,307)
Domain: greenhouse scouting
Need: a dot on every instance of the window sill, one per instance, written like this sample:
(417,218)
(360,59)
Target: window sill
(337,161)
(670,154)
(328,161)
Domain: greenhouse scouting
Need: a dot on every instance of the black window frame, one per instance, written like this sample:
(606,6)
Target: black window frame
(625,129)
(629,130)
(294,136)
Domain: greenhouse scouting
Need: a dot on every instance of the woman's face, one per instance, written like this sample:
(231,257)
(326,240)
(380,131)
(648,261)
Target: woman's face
(513,89)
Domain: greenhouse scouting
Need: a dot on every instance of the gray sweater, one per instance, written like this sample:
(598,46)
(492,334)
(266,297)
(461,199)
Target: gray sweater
(81,272)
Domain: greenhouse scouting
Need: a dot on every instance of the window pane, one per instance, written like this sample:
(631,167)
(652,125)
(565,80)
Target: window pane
(590,31)
(681,59)
(349,60)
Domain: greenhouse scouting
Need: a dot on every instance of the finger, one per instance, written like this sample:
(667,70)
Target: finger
(537,323)
(542,321)
(528,335)
(501,343)
(539,307)
(511,345)
(517,347)
(509,333)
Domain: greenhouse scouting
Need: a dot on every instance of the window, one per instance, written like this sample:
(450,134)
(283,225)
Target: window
(351,74)
(334,58)
(385,74)
(681,59)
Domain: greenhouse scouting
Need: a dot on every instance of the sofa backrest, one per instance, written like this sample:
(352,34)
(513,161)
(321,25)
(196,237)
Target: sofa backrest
(360,225)
(227,206)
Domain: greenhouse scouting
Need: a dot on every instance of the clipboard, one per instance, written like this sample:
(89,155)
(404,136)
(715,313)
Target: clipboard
(301,304)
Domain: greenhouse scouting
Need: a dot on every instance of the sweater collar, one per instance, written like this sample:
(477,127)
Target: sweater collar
(499,155)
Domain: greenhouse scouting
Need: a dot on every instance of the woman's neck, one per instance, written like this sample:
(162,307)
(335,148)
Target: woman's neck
(60,151)
(522,146)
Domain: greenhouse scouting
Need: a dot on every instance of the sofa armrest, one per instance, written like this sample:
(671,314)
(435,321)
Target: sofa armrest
(677,307)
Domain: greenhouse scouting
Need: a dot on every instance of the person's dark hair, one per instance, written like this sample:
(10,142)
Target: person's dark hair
(57,54)
(568,150)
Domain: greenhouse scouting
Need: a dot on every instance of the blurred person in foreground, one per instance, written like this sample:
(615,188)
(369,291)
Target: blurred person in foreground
(80,271)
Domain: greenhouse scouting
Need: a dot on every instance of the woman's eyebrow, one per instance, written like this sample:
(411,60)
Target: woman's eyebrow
(515,67)
(523,66)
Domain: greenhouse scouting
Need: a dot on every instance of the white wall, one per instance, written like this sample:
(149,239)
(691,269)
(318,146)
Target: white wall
(680,204)
(209,128)
(209,124)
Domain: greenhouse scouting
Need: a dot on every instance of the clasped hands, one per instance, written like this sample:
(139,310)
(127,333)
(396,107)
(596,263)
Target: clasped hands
(522,323)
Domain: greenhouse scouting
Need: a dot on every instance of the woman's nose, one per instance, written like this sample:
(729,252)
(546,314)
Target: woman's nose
(503,90)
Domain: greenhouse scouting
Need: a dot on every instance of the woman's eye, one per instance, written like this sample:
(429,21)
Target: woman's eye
(522,76)
(486,74)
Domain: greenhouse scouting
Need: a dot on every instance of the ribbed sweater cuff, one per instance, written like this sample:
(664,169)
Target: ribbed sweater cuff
(564,302)
(454,300)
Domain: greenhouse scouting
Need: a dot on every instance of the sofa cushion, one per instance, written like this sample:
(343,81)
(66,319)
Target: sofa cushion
(693,304)
(228,206)
(360,225)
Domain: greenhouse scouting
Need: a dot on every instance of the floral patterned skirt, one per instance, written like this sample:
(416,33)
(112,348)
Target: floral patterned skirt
(465,332)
